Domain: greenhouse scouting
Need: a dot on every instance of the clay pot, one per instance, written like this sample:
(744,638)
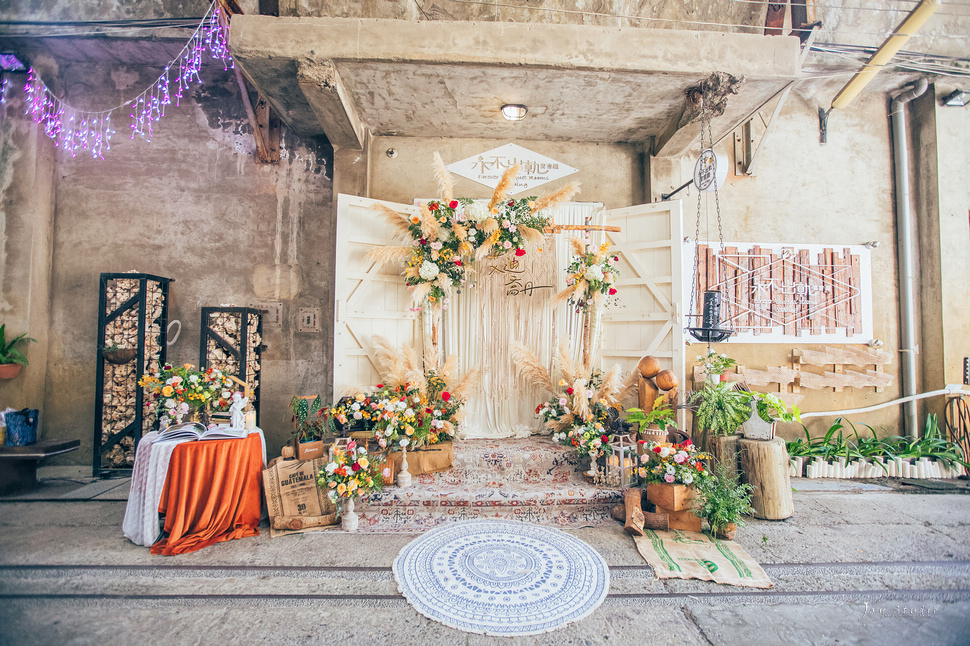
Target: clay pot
(10,370)
(727,533)
(118,357)
(666,380)
(648,367)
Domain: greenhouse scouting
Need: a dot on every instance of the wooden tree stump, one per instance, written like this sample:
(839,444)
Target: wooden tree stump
(634,515)
(724,448)
(765,467)
(648,394)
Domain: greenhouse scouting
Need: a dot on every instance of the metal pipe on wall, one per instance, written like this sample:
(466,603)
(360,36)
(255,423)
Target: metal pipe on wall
(904,246)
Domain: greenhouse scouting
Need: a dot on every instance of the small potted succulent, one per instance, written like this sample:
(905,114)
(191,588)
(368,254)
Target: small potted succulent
(12,360)
(722,501)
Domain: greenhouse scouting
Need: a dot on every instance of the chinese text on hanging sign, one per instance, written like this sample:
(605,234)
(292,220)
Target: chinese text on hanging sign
(535,169)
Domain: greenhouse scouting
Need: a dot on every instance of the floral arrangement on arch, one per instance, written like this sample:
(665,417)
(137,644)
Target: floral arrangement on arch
(590,278)
(673,463)
(415,407)
(177,391)
(352,473)
(583,406)
(449,234)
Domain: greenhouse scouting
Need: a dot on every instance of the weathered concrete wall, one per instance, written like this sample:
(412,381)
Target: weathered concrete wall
(193,205)
(26,230)
(607,173)
(804,192)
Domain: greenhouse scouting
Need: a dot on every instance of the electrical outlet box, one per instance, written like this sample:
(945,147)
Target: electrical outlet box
(309,320)
(272,313)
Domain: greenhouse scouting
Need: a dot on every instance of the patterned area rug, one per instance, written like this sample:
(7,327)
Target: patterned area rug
(504,578)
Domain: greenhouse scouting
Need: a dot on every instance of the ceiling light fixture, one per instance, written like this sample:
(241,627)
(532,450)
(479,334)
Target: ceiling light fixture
(958,99)
(514,111)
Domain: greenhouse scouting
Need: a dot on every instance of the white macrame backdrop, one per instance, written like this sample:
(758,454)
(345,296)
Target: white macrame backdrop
(510,301)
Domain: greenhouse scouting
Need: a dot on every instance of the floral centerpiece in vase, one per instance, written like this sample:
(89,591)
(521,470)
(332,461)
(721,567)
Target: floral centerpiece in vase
(184,392)
(349,474)
(671,471)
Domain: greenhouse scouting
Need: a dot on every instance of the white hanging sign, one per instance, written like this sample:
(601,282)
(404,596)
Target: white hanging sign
(535,170)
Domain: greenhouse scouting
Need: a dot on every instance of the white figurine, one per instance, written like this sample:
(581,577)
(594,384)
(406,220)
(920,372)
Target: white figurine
(237,418)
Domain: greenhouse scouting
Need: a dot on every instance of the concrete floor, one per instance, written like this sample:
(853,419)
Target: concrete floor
(857,564)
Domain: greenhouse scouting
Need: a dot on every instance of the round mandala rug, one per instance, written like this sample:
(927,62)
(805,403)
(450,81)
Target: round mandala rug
(496,577)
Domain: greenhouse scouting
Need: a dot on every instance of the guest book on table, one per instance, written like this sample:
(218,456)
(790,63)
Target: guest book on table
(196,431)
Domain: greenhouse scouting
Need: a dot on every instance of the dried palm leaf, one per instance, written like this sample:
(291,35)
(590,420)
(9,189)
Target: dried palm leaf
(444,282)
(532,236)
(562,297)
(399,221)
(448,369)
(503,186)
(630,385)
(419,293)
(554,199)
(612,382)
(448,427)
(561,361)
(598,298)
(530,368)
(581,401)
(490,226)
(460,232)
(388,255)
(390,362)
(429,224)
(579,248)
(413,370)
(467,384)
(445,182)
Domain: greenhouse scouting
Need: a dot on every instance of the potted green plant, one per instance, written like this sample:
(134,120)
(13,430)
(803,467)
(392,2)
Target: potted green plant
(715,365)
(719,408)
(118,354)
(12,360)
(722,501)
(653,425)
(308,426)
(766,410)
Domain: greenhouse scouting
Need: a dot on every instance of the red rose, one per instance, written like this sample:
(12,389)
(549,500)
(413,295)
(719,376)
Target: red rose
(433,206)
(687,442)
(538,408)
(511,202)
(604,438)
(520,252)
(656,449)
(422,241)
(612,291)
(453,204)
(616,259)
(458,261)
(380,385)
(569,391)
(356,467)
(446,395)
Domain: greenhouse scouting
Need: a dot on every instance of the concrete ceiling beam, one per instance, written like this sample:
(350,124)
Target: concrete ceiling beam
(331,103)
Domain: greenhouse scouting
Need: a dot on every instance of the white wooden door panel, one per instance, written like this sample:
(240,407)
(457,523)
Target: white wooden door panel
(369,300)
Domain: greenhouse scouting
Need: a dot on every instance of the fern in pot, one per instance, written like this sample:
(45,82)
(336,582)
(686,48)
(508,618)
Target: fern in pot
(719,408)
(722,502)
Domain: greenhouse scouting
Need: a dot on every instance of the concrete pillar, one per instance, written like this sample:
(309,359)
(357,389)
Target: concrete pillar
(26,230)
(941,139)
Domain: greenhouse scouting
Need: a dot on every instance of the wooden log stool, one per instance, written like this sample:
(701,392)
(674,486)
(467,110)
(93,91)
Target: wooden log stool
(765,467)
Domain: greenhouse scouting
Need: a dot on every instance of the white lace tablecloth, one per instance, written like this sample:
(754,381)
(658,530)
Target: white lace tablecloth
(141,525)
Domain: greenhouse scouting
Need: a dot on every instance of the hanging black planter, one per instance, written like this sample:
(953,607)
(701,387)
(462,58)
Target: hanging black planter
(710,330)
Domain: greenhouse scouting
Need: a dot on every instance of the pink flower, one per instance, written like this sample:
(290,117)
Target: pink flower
(507,244)
(679,458)
(351,445)
(386,472)
(669,478)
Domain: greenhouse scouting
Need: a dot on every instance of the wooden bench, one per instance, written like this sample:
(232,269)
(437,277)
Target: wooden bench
(18,464)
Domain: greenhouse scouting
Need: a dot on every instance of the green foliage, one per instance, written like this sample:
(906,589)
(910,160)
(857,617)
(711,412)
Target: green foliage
(771,408)
(834,444)
(723,499)
(661,414)
(8,353)
(721,409)
(308,416)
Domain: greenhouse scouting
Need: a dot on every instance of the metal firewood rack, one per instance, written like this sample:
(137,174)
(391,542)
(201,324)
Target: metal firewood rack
(132,312)
(232,341)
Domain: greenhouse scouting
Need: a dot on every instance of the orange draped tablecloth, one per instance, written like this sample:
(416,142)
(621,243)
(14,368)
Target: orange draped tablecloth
(212,494)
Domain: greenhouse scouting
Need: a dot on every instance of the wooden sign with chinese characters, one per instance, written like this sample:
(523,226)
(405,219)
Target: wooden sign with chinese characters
(773,293)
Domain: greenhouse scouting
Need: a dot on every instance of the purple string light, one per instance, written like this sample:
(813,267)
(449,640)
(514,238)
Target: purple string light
(74,130)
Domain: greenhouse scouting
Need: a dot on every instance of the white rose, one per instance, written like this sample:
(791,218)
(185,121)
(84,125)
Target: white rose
(476,211)
(664,451)
(428,270)
(594,272)
(331,467)
(409,412)
(403,442)
(169,403)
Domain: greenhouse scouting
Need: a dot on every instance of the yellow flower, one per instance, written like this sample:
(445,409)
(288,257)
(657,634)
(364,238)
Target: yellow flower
(415,219)
(409,430)
(167,391)
(359,397)
(442,219)
(363,462)
(341,489)
(352,487)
